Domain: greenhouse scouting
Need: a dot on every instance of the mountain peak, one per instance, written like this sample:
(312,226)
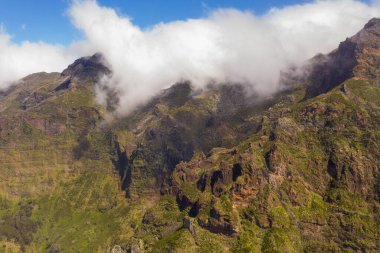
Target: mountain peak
(88,67)
(374,22)
(357,56)
(369,36)
(218,169)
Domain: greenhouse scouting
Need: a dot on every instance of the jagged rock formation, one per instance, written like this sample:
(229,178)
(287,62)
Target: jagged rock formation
(358,56)
(88,68)
(196,171)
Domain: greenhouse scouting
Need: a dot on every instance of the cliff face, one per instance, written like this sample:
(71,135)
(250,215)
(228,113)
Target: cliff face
(358,56)
(295,181)
(196,171)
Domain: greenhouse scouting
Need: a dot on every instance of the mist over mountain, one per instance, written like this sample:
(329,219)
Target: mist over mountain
(226,46)
(222,134)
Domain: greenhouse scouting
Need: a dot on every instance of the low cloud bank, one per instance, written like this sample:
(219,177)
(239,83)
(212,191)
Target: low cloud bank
(226,46)
(19,60)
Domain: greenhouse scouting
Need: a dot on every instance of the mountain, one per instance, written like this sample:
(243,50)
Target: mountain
(193,170)
(357,56)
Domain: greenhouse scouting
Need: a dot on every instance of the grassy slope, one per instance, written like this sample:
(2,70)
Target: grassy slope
(66,178)
(68,198)
(309,210)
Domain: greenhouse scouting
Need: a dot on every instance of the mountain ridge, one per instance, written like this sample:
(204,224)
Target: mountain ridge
(357,56)
(196,171)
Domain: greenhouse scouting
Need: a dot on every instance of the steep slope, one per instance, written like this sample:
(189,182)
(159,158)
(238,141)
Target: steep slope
(195,171)
(307,181)
(305,178)
(40,122)
(57,185)
(357,56)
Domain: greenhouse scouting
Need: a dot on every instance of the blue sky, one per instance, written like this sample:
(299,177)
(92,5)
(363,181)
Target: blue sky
(46,20)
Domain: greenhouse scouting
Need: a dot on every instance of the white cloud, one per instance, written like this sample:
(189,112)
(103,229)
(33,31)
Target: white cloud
(19,60)
(227,46)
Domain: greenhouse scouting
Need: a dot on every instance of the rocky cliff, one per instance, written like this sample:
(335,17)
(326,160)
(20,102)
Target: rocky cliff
(196,171)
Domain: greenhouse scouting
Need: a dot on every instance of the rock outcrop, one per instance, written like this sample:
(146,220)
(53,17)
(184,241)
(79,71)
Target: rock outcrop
(196,170)
(358,56)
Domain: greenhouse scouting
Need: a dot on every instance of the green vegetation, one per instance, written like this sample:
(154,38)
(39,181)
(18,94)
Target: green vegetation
(211,172)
